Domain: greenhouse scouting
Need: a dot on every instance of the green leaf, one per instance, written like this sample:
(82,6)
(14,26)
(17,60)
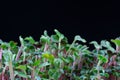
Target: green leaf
(30,39)
(12,44)
(44,79)
(116,42)
(61,36)
(21,67)
(48,56)
(44,39)
(107,44)
(96,45)
(66,60)
(62,71)
(44,64)
(58,62)
(4,45)
(78,38)
(7,54)
(105,74)
(45,33)
(102,58)
(55,38)
(54,74)
(36,63)
(30,67)
(116,74)
(37,78)
(76,54)
(21,74)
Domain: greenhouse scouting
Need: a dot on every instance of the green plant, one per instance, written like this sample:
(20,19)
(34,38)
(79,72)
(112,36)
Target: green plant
(53,58)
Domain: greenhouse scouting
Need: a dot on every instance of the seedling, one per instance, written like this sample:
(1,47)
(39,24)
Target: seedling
(54,58)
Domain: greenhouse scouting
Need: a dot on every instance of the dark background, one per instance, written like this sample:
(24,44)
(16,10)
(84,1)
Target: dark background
(93,20)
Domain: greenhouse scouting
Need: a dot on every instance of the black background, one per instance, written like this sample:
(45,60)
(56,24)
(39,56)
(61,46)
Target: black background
(93,20)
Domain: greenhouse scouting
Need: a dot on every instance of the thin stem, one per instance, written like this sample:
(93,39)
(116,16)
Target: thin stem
(98,70)
(3,73)
(33,74)
(19,52)
(59,45)
(0,58)
(11,70)
(46,47)
(24,54)
(70,47)
(80,61)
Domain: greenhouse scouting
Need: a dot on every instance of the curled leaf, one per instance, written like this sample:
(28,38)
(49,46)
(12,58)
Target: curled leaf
(78,38)
(116,42)
(96,45)
(30,39)
(60,35)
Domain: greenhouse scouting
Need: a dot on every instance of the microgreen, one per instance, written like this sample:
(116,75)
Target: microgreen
(54,58)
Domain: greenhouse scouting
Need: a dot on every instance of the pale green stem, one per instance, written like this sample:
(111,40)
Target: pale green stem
(11,70)
(46,46)
(98,70)
(19,52)
(59,45)
(33,75)
(0,58)
(23,56)
(70,47)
